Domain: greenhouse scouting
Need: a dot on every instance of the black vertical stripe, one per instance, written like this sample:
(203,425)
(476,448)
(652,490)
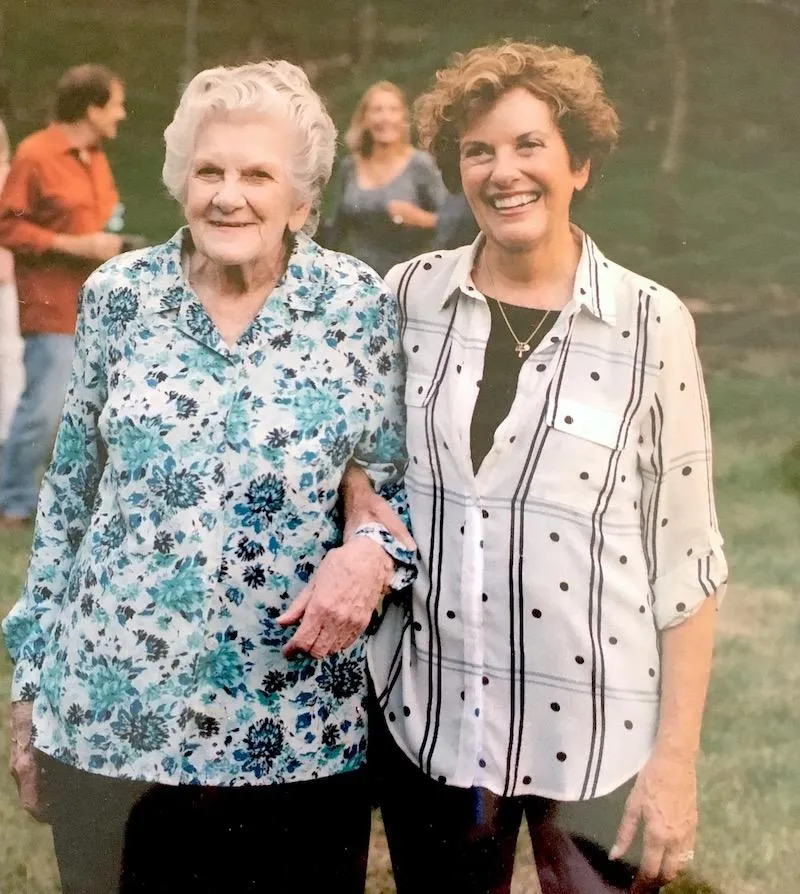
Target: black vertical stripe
(706,437)
(402,294)
(596,547)
(594,282)
(516,593)
(434,701)
(395,665)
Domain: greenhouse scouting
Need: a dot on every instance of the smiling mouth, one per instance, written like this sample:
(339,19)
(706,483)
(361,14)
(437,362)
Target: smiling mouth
(225,224)
(505,203)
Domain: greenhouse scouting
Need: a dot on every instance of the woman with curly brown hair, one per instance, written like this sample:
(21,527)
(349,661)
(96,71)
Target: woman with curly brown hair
(553,657)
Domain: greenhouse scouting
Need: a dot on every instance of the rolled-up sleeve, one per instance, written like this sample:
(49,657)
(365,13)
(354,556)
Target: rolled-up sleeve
(681,535)
(65,504)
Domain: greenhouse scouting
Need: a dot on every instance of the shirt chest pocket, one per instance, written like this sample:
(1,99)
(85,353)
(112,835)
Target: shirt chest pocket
(419,390)
(580,457)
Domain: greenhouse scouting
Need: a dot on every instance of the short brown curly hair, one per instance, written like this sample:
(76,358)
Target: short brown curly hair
(570,84)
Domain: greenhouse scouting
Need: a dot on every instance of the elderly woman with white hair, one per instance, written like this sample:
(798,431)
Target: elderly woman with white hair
(189,685)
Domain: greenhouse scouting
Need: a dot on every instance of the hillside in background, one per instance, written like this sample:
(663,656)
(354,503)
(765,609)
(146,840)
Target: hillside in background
(729,223)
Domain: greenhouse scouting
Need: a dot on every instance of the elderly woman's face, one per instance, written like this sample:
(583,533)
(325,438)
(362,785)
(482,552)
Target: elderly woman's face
(385,117)
(240,197)
(516,172)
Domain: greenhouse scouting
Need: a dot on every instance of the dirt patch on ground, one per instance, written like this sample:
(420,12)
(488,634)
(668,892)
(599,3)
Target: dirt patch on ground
(755,330)
(749,612)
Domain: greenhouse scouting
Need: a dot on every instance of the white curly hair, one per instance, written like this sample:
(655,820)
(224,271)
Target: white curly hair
(272,87)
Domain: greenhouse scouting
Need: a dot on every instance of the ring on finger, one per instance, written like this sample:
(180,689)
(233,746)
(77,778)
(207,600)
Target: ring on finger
(686,857)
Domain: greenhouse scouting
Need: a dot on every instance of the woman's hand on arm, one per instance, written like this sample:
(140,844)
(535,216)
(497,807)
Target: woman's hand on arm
(664,798)
(407,214)
(362,506)
(336,605)
(22,760)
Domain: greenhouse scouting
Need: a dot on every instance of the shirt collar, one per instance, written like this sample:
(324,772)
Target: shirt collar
(461,276)
(59,143)
(299,286)
(592,293)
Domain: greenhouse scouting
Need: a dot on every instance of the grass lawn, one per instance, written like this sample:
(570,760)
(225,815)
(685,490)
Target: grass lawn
(750,833)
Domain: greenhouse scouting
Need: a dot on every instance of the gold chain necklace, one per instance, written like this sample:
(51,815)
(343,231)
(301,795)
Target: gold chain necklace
(522,346)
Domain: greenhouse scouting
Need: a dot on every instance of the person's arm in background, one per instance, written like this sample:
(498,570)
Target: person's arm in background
(688,576)
(431,191)
(65,504)
(338,603)
(20,234)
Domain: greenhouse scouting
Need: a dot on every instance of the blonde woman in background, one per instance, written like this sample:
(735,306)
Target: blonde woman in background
(389,192)
(11,374)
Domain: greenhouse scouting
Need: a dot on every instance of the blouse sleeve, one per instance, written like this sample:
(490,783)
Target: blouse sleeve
(431,186)
(682,541)
(65,503)
(381,451)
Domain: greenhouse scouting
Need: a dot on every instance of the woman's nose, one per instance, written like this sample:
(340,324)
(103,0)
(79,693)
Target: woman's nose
(505,168)
(229,195)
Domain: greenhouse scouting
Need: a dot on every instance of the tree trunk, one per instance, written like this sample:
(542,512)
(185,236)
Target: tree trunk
(667,205)
(190,48)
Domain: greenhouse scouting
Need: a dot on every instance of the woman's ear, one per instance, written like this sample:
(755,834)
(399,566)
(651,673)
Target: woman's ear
(298,218)
(581,174)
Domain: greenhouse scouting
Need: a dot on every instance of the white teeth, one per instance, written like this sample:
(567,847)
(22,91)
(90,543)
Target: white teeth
(502,202)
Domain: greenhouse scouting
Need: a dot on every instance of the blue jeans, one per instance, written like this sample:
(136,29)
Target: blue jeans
(48,362)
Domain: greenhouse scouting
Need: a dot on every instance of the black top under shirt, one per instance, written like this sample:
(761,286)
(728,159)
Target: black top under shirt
(501,367)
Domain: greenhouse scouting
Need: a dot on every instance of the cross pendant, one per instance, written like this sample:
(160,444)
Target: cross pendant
(521,349)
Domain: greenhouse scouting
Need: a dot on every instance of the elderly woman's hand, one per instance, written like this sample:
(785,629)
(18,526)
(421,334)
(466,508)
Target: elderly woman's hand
(337,604)
(22,762)
(362,506)
(664,798)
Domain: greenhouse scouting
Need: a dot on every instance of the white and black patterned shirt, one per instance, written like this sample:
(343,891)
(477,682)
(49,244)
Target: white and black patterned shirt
(527,658)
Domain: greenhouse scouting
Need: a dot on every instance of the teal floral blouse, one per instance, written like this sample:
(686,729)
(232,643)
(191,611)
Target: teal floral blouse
(191,495)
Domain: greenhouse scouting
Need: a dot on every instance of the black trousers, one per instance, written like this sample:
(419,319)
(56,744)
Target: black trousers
(443,838)
(117,836)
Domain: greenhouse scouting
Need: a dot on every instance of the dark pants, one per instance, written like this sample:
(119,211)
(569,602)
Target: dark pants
(116,836)
(443,838)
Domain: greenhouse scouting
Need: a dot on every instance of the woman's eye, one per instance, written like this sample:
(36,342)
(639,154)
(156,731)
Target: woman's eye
(530,144)
(475,151)
(260,175)
(207,171)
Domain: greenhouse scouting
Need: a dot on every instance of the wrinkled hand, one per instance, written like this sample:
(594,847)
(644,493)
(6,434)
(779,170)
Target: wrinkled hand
(22,761)
(664,798)
(363,506)
(337,603)
(406,213)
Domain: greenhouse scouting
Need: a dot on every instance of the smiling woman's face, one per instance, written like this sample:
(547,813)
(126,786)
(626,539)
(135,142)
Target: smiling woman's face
(385,117)
(240,196)
(516,172)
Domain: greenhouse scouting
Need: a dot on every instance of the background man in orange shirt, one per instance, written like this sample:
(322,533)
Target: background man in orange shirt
(57,200)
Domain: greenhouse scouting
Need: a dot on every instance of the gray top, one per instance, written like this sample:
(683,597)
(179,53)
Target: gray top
(360,226)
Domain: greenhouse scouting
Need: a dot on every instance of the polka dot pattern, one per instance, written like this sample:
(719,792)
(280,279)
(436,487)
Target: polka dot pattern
(572,465)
